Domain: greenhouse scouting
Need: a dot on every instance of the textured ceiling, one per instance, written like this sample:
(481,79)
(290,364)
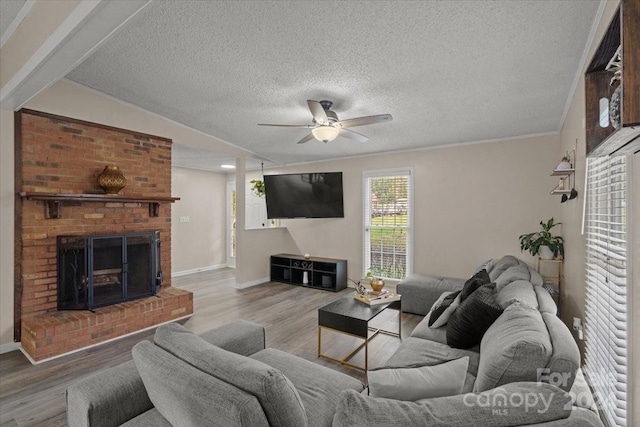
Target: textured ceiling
(9,10)
(449,72)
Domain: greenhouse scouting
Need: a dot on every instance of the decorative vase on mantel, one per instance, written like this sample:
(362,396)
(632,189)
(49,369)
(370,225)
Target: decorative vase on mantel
(112,180)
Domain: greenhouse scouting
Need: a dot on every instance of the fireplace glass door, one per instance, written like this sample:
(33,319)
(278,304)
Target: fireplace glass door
(96,271)
(108,270)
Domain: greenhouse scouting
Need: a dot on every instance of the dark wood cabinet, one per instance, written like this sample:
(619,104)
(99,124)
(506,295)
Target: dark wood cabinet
(321,273)
(613,104)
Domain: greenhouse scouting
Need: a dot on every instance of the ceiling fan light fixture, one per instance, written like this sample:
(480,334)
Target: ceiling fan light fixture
(325,133)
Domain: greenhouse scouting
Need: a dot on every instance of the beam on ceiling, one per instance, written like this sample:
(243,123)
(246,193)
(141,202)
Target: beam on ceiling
(88,25)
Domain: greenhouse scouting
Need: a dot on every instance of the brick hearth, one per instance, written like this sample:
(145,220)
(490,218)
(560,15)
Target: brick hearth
(49,334)
(57,154)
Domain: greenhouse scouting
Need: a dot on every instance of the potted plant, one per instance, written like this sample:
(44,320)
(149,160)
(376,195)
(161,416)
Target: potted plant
(542,243)
(257,187)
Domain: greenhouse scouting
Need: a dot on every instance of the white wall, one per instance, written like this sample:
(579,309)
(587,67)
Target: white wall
(7,197)
(471,203)
(199,244)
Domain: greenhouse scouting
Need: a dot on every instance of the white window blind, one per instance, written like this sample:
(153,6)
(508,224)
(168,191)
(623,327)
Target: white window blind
(387,223)
(606,288)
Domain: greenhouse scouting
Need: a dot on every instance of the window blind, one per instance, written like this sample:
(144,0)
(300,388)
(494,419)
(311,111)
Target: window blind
(387,219)
(606,288)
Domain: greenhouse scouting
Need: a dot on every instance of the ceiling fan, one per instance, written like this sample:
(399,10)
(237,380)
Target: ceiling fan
(327,127)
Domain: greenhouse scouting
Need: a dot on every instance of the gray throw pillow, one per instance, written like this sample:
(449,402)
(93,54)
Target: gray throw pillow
(540,403)
(473,317)
(514,348)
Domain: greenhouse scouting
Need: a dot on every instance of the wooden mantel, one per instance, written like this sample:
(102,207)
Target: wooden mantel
(53,201)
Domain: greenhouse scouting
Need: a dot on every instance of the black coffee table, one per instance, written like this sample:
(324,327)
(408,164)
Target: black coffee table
(351,317)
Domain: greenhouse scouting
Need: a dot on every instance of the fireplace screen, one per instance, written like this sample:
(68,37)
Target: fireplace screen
(96,271)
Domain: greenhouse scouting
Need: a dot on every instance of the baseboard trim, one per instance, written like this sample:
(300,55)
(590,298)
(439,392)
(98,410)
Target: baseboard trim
(12,346)
(197,270)
(252,283)
(33,362)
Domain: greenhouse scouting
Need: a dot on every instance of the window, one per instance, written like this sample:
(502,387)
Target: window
(387,223)
(606,230)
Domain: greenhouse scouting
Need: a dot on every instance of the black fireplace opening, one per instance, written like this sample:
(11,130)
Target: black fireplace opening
(100,270)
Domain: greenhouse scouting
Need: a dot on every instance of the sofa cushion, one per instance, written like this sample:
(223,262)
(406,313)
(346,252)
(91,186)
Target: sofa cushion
(473,317)
(565,356)
(445,379)
(319,387)
(424,331)
(550,404)
(187,396)
(240,337)
(420,291)
(501,265)
(513,348)
(536,279)
(478,279)
(151,418)
(519,290)
(546,304)
(511,274)
(486,265)
(442,309)
(115,394)
(277,395)
(415,352)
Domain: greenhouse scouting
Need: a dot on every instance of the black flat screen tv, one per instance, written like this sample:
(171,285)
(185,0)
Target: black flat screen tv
(304,195)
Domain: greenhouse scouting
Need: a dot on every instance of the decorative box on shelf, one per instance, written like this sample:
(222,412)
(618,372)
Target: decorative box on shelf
(375,298)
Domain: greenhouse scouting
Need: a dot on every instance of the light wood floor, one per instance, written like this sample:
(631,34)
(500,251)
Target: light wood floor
(35,395)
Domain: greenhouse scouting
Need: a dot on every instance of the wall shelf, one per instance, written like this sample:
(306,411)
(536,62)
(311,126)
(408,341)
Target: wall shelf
(53,201)
(563,172)
(617,86)
(565,181)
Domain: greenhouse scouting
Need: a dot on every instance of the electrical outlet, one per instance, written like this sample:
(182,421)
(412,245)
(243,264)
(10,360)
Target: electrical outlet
(185,219)
(577,326)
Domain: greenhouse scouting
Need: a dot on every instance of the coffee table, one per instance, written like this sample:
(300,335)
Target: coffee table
(351,317)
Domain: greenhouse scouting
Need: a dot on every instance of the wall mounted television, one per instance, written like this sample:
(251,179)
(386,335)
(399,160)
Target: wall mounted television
(304,195)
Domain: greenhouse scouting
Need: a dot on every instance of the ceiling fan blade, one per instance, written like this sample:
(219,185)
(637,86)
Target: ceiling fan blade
(319,115)
(306,138)
(353,135)
(287,126)
(361,121)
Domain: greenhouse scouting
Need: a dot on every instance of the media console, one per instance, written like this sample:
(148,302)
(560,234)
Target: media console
(321,273)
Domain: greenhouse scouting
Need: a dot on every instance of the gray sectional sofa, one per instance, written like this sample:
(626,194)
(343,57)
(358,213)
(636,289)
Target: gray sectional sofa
(528,344)
(226,377)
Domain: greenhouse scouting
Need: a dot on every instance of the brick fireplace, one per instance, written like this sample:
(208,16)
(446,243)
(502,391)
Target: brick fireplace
(58,160)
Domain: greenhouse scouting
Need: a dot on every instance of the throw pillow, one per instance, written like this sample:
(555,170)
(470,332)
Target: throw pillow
(473,317)
(487,265)
(411,384)
(479,409)
(442,309)
(477,280)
